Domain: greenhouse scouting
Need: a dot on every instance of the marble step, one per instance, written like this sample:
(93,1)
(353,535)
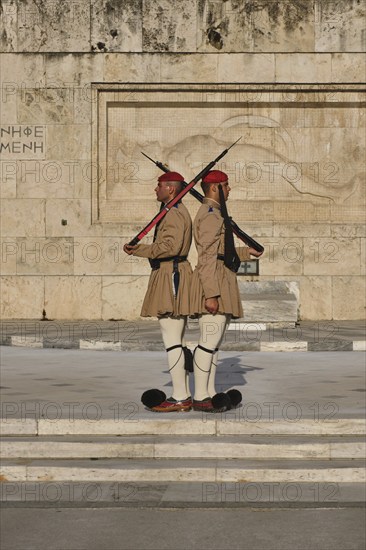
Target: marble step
(269,301)
(270,308)
(187,447)
(229,423)
(166,470)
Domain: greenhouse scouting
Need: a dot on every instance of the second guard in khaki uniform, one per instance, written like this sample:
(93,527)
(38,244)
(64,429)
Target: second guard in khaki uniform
(215,297)
(167,295)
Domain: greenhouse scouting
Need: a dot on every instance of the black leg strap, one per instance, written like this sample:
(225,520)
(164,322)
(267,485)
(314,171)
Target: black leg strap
(174,347)
(208,350)
(188,358)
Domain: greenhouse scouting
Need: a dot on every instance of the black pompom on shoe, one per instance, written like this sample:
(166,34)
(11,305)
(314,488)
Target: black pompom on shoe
(152,398)
(221,402)
(235,398)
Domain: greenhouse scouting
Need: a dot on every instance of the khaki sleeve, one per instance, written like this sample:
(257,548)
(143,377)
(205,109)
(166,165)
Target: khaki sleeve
(208,233)
(243,253)
(169,238)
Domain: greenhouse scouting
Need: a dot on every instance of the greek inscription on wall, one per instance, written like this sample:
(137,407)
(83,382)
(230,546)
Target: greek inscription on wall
(22,142)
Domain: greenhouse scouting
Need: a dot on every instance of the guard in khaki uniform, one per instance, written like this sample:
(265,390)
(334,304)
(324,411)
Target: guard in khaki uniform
(167,295)
(215,298)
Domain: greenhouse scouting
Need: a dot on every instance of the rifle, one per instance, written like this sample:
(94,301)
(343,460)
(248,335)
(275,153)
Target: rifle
(187,187)
(236,229)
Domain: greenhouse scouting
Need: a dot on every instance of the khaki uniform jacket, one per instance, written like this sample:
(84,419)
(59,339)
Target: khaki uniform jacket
(173,238)
(211,278)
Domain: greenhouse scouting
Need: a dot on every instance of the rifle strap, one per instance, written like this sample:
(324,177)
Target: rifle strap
(231,258)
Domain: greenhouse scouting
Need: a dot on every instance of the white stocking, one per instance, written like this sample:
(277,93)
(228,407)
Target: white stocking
(215,357)
(172,331)
(212,329)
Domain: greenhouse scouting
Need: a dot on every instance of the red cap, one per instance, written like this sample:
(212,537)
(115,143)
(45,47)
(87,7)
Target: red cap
(171,176)
(215,176)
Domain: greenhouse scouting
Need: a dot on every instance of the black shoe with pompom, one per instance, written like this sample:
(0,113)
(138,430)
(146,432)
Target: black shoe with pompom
(235,398)
(221,402)
(152,398)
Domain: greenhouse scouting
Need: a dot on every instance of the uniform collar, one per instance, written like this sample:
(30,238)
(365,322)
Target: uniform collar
(176,204)
(211,202)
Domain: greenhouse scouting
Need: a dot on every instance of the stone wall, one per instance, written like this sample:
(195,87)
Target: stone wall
(86,85)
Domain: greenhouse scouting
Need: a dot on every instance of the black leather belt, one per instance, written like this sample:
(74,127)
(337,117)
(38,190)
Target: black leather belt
(221,257)
(155,263)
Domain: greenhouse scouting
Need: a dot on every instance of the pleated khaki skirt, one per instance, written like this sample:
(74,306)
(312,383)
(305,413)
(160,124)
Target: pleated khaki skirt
(159,298)
(229,299)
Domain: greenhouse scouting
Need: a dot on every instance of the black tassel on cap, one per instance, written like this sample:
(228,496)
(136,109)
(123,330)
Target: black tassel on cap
(153,398)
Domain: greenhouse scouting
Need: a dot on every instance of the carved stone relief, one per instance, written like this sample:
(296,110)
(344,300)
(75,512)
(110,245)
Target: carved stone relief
(300,150)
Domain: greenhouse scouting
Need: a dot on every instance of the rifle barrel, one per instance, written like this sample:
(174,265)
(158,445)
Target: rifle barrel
(160,215)
(236,229)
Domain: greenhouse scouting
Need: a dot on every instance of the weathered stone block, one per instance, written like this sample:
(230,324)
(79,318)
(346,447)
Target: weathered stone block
(59,179)
(22,297)
(302,230)
(9,26)
(304,211)
(330,256)
(45,256)
(349,213)
(348,297)
(124,67)
(68,143)
(348,67)
(16,220)
(77,215)
(282,257)
(8,104)
(73,70)
(166,29)
(50,26)
(256,230)
(73,297)
(334,117)
(315,297)
(8,179)
(245,67)
(105,256)
(45,106)
(252,211)
(8,256)
(235,26)
(284,26)
(189,68)
(19,72)
(348,230)
(122,297)
(303,67)
(340,26)
(116,26)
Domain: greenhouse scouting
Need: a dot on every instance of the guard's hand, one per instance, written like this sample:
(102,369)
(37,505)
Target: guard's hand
(130,249)
(254,252)
(212,305)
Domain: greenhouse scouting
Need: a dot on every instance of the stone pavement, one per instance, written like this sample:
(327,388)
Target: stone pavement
(144,335)
(54,384)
